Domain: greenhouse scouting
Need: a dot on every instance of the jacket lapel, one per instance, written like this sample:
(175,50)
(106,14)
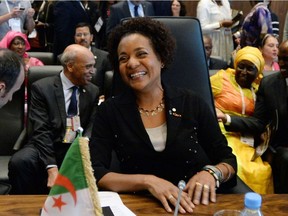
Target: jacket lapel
(83,101)
(126,104)
(59,95)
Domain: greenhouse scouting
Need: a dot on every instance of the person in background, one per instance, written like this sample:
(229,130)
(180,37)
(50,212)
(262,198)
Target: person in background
(234,93)
(128,8)
(213,63)
(269,49)
(162,7)
(285,28)
(16,15)
(11,75)
(158,132)
(84,37)
(67,14)
(54,119)
(271,109)
(256,24)
(178,8)
(216,20)
(18,42)
(92,10)
(274,19)
(44,26)
(103,14)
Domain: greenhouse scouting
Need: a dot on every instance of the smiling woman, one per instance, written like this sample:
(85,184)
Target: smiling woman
(18,42)
(157,131)
(234,93)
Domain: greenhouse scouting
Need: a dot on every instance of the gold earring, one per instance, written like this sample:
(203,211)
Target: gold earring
(162,65)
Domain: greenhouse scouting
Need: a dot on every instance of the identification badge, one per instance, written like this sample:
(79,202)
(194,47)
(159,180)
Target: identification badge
(15,24)
(75,122)
(249,140)
(69,133)
(98,24)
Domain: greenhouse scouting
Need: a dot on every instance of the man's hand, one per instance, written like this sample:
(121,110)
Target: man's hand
(52,174)
(221,116)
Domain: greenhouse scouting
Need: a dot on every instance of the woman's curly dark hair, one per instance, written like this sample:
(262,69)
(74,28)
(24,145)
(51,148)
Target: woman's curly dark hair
(160,36)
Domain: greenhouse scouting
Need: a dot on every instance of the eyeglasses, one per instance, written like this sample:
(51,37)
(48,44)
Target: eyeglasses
(82,34)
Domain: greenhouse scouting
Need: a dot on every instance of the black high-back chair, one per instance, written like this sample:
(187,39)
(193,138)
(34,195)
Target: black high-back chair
(36,73)
(46,57)
(11,127)
(13,134)
(189,68)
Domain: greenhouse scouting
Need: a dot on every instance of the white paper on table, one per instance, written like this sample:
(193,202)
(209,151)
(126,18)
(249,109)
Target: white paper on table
(113,200)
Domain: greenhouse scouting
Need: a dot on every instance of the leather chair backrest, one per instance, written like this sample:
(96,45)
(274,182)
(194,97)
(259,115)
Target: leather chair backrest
(189,69)
(46,57)
(38,72)
(11,122)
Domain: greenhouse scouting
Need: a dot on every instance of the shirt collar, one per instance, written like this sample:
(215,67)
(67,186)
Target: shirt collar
(67,84)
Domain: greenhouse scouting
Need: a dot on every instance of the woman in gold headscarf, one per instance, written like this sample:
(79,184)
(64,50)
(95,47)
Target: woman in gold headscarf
(234,93)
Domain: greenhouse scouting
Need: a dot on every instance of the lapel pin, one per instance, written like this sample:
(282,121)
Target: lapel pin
(174,113)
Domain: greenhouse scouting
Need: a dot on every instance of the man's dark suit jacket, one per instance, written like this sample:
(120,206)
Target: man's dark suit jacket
(48,117)
(102,65)
(67,14)
(271,106)
(217,64)
(121,10)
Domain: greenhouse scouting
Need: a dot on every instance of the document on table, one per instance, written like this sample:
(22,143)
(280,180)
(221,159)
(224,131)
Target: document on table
(113,200)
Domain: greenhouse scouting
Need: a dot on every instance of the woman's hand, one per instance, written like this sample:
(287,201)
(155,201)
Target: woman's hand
(167,193)
(201,188)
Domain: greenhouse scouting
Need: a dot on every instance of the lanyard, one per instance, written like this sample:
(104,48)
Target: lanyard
(243,99)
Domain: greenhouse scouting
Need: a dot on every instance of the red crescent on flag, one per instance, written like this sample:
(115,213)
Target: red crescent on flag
(66,183)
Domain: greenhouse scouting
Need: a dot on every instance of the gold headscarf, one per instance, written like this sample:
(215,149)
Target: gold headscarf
(251,54)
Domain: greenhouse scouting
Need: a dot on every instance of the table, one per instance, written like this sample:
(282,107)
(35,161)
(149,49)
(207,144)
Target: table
(273,204)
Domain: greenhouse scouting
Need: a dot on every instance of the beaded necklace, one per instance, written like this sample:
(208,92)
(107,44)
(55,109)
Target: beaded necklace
(152,112)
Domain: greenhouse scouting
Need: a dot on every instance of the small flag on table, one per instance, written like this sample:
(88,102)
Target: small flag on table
(75,191)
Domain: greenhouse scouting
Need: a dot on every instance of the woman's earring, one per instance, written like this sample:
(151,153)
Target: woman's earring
(162,65)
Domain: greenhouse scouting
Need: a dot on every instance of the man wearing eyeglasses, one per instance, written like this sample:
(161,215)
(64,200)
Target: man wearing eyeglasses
(271,108)
(84,37)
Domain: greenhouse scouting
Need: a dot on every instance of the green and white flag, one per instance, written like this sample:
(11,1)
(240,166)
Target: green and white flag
(75,191)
